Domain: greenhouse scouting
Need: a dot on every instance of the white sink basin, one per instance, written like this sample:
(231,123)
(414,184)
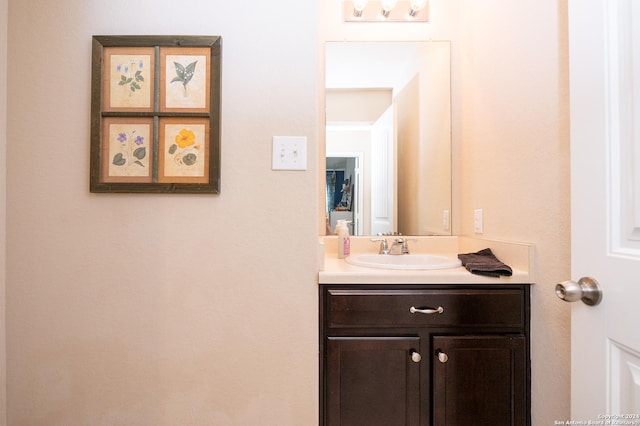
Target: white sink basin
(404,261)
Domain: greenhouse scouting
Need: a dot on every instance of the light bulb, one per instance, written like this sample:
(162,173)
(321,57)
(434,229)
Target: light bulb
(417,6)
(358,7)
(387,5)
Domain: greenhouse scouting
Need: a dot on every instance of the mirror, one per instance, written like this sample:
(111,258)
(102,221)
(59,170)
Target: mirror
(388,137)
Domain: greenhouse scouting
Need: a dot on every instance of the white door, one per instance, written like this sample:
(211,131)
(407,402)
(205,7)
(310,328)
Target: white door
(383,174)
(604,46)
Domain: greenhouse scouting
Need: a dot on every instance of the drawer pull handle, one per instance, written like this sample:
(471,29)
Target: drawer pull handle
(415,310)
(442,357)
(415,356)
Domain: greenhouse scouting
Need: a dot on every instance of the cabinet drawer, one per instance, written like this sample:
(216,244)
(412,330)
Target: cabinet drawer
(348,308)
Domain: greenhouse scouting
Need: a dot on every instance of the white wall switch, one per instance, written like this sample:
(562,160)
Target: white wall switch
(477,221)
(289,153)
(445,220)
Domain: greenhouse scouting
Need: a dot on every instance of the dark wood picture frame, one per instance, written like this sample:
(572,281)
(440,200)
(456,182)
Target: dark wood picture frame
(155,100)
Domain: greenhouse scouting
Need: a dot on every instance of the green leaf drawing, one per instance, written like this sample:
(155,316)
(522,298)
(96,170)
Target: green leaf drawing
(190,159)
(124,81)
(119,160)
(140,153)
(184,74)
(173,148)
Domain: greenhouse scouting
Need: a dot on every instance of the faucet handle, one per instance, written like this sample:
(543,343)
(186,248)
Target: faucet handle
(405,243)
(384,246)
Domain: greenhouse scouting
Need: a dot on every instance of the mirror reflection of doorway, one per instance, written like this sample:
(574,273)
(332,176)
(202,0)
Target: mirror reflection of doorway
(343,190)
(392,101)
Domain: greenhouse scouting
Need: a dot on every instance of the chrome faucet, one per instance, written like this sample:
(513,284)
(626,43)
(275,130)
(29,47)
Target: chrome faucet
(399,246)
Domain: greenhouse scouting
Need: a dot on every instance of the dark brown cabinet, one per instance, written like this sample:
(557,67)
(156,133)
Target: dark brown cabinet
(373,381)
(421,355)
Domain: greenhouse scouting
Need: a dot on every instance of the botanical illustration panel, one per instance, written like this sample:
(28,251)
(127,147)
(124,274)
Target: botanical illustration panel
(184,150)
(184,74)
(127,149)
(129,79)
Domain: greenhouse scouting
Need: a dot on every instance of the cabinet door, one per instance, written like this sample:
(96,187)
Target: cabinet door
(372,381)
(479,380)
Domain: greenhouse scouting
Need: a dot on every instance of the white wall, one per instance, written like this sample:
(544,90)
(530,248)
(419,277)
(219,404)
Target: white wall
(510,147)
(3,239)
(161,309)
(145,309)
(514,162)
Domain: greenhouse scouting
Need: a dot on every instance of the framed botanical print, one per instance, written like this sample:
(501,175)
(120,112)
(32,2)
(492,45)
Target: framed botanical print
(126,149)
(183,150)
(155,114)
(184,74)
(128,79)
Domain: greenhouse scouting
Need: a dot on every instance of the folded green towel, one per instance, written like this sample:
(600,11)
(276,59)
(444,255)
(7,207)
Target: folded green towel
(484,262)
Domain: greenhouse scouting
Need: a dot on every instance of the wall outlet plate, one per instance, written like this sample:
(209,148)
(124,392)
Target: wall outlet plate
(477,221)
(289,153)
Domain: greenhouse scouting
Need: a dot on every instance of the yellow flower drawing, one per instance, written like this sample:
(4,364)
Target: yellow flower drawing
(185,138)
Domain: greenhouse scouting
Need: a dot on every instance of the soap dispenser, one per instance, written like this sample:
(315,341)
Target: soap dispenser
(344,243)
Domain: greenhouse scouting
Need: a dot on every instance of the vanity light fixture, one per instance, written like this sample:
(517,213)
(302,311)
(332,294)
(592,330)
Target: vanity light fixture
(386,10)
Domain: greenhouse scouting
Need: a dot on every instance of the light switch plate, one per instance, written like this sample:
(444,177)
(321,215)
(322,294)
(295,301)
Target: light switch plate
(289,153)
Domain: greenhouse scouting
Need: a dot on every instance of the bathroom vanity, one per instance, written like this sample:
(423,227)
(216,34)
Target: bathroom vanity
(423,347)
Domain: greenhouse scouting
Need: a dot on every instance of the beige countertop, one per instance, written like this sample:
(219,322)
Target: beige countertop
(519,256)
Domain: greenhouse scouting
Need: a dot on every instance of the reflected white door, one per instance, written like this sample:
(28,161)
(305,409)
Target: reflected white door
(383,174)
(605,197)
